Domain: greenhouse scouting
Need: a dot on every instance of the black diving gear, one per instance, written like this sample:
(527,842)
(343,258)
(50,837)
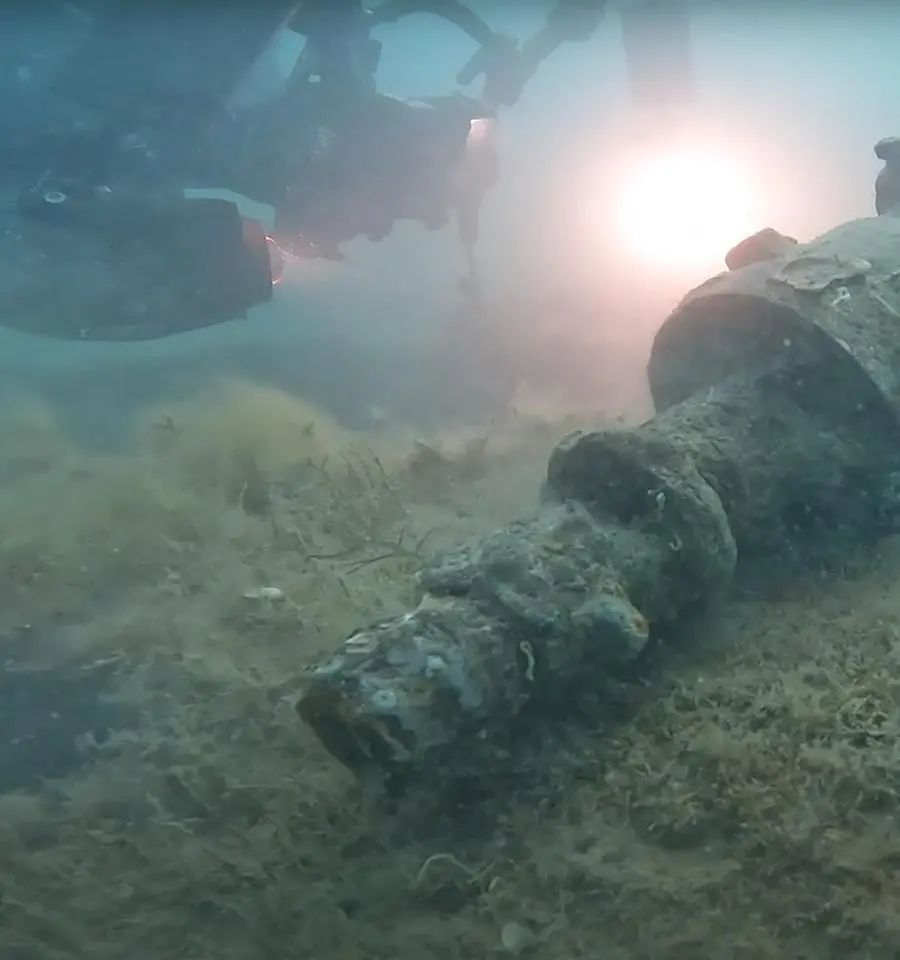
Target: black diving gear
(102,242)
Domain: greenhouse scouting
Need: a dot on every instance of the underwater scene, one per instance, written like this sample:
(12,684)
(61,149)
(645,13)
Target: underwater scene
(449,481)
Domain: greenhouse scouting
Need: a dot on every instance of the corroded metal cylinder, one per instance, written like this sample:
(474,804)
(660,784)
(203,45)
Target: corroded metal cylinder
(818,329)
(778,389)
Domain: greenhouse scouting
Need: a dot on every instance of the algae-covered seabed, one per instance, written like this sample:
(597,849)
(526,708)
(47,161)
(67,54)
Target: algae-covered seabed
(739,803)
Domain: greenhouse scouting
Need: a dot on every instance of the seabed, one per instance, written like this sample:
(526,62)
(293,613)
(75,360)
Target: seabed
(160,799)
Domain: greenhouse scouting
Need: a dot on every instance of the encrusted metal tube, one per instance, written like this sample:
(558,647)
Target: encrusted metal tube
(777,386)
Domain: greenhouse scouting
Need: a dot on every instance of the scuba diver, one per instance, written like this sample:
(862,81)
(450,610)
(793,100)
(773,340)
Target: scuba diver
(103,243)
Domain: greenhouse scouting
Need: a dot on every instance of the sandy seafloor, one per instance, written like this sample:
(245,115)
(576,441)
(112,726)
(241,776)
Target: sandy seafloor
(161,800)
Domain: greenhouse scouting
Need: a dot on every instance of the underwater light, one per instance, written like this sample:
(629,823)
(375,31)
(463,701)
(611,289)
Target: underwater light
(682,206)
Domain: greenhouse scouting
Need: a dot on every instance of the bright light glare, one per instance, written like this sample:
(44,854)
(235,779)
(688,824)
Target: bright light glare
(684,207)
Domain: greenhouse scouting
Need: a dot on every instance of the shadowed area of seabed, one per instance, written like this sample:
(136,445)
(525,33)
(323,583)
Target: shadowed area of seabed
(52,717)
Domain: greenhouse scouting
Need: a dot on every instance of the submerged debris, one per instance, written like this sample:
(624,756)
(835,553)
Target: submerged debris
(271,594)
(434,467)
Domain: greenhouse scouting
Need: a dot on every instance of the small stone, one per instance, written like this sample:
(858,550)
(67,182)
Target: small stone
(264,593)
(515,937)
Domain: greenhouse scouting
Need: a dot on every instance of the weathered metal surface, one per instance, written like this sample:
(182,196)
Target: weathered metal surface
(838,293)
(778,387)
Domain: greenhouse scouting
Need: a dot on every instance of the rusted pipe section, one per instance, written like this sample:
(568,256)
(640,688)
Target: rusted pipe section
(778,388)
